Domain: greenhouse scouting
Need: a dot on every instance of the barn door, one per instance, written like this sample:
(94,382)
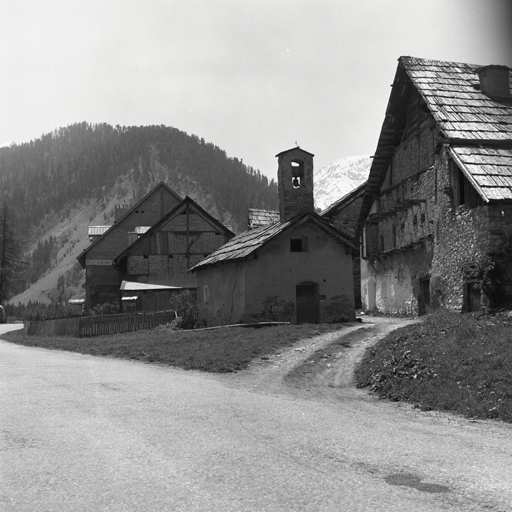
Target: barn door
(307,303)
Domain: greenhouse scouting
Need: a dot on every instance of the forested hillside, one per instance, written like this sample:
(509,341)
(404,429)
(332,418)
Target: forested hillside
(74,176)
(85,161)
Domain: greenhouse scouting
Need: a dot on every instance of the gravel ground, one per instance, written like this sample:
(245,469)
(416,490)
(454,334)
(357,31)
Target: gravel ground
(87,433)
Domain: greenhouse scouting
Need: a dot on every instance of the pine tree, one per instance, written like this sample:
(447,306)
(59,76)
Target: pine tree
(11,253)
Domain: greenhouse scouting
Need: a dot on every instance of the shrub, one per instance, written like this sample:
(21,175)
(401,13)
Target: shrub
(107,308)
(184,303)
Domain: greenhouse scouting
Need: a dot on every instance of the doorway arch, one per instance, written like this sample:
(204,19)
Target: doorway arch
(306,295)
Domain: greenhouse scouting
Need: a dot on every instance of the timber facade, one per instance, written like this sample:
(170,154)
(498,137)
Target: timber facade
(102,280)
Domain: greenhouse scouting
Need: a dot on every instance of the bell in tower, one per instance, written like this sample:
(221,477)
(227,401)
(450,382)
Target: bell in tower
(295,182)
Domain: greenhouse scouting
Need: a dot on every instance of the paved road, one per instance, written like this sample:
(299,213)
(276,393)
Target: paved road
(79,433)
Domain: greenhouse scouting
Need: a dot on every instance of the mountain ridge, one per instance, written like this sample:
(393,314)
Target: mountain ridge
(338,178)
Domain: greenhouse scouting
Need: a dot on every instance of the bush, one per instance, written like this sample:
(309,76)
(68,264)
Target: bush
(107,308)
(184,303)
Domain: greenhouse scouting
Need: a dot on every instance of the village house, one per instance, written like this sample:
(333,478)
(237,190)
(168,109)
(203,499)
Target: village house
(344,214)
(436,217)
(298,269)
(102,280)
(155,265)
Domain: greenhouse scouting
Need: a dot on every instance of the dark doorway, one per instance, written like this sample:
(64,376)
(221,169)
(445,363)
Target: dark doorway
(307,303)
(473,298)
(424,298)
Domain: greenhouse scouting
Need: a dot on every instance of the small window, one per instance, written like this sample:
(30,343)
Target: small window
(206,295)
(299,244)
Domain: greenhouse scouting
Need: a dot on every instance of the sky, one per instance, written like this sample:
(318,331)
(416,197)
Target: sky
(254,77)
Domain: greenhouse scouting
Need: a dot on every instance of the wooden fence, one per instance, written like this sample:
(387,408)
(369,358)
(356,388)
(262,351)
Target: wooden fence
(98,325)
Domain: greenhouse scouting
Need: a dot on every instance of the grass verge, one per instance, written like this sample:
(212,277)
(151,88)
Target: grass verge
(450,362)
(218,350)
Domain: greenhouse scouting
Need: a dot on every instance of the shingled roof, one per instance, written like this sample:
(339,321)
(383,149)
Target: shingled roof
(489,169)
(242,246)
(452,93)
(476,127)
(258,218)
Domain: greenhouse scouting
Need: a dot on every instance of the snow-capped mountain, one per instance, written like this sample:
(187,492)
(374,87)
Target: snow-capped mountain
(339,178)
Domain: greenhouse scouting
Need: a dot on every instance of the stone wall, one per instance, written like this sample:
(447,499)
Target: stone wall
(432,241)
(293,200)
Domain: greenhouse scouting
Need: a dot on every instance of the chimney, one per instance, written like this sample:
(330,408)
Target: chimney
(494,81)
(295,182)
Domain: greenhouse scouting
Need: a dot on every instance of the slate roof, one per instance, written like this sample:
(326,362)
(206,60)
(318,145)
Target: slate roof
(477,128)
(242,246)
(258,218)
(489,169)
(463,112)
(129,286)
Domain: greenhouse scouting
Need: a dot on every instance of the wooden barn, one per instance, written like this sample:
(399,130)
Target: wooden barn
(155,265)
(102,280)
(298,269)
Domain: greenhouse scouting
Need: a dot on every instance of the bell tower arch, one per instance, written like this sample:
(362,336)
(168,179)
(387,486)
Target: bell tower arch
(295,182)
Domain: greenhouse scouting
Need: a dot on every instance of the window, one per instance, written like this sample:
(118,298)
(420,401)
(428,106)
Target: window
(463,192)
(299,244)
(297,173)
(206,295)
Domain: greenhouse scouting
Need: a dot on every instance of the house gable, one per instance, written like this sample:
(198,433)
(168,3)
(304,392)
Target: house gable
(178,241)
(344,212)
(154,205)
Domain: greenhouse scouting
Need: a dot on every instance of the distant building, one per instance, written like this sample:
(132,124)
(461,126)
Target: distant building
(344,214)
(437,209)
(155,265)
(298,269)
(102,280)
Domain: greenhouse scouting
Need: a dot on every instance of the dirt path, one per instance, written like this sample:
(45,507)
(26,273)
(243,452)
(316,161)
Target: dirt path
(322,366)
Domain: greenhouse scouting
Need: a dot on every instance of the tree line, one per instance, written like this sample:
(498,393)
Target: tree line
(84,161)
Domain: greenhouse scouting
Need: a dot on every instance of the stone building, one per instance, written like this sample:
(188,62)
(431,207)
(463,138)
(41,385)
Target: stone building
(344,214)
(102,280)
(298,269)
(436,218)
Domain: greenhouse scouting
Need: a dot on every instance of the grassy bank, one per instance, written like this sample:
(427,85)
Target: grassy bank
(451,362)
(217,350)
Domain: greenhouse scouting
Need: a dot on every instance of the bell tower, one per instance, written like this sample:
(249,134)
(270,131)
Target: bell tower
(295,182)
